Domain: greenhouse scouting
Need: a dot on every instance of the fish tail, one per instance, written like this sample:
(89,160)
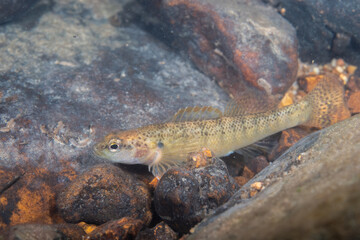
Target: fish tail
(327,102)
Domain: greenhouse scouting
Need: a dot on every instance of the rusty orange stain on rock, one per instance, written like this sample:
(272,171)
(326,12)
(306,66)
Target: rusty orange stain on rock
(204,8)
(33,205)
(248,73)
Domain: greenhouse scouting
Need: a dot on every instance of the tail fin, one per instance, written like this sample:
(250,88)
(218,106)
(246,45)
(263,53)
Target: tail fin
(327,102)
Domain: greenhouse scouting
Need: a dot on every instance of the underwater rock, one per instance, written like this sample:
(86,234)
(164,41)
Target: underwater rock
(354,102)
(124,228)
(288,138)
(311,191)
(251,167)
(183,197)
(104,193)
(10,9)
(43,232)
(245,45)
(160,232)
(28,195)
(324,28)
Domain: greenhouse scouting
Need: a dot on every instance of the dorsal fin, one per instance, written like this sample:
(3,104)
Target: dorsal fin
(248,105)
(196,113)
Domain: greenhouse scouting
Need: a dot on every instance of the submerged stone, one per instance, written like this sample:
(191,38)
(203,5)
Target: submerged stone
(245,45)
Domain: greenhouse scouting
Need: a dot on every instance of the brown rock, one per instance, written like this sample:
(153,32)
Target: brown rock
(124,228)
(105,193)
(160,232)
(307,83)
(288,138)
(354,102)
(185,196)
(245,45)
(251,167)
(27,196)
(354,83)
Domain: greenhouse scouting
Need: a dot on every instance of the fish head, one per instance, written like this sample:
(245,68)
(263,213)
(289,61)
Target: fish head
(127,147)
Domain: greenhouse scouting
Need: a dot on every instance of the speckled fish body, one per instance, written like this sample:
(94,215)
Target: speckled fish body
(163,145)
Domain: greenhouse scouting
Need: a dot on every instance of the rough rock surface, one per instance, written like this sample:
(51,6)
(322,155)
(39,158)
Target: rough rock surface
(183,197)
(327,29)
(28,194)
(124,228)
(104,193)
(160,232)
(244,44)
(10,9)
(310,192)
(43,232)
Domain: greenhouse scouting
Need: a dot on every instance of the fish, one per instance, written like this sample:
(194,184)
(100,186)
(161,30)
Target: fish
(162,146)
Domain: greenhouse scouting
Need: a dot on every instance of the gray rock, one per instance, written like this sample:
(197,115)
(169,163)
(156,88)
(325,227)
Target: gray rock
(325,29)
(10,9)
(311,192)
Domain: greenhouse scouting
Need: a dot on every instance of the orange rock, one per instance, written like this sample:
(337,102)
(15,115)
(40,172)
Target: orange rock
(288,138)
(307,83)
(257,185)
(354,102)
(286,100)
(351,69)
(88,228)
(28,198)
(240,180)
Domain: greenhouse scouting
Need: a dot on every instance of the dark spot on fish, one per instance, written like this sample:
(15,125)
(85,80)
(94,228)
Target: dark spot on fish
(160,144)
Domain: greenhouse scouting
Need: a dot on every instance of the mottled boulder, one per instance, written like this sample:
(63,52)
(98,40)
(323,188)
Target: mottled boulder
(10,9)
(43,232)
(124,228)
(310,192)
(183,197)
(27,194)
(104,193)
(160,232)
(245,45)
(324,28)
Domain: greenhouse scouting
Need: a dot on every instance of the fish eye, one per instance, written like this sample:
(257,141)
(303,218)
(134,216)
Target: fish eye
(114,145)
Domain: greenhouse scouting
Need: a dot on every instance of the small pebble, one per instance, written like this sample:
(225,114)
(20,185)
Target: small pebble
(257,185)
(339,69)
